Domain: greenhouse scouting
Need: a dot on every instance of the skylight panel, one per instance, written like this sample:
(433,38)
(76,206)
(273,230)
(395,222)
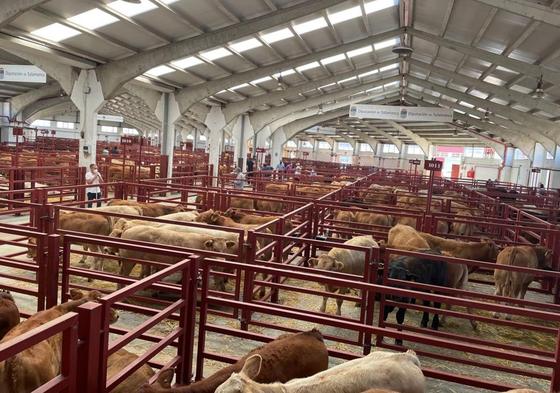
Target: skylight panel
(261,80)
(494,81)
(347,80)
(308,66)
(521,89)
(391,84)
(378,5)
(368,73)
(215,54)
(344,15)
(360,51)
(284,73)
(464,103)
(378,88)
(277,35)
(159,70)
(239,86)
(187,62)
(458,111)
(245,45)
(385,44)
(389,67)
(93,19)
(169,1)
(314,24)
(55,32)
(130,9)
(333,59)
(330,84)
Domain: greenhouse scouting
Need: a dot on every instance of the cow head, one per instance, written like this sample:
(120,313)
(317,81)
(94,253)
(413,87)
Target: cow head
(234,214)
(4,294)
(544,257)
(205,216)
(111,249)
(92,296)
(220,245)
(162,383)
(326,262)
(492,249)
(244,381)
(181,208)
(398,271)
(32,250)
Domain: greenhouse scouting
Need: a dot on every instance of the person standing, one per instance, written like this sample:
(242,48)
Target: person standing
(93,178)
(239,182)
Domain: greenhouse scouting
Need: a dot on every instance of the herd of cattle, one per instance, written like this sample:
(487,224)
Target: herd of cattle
(277,366)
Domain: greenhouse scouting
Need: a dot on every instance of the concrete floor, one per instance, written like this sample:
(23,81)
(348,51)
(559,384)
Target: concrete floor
(236,347)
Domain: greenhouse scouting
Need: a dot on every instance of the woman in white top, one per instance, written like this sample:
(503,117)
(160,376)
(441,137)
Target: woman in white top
(93,178)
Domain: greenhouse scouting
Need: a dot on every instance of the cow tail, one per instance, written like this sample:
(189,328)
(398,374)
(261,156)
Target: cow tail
(508,284)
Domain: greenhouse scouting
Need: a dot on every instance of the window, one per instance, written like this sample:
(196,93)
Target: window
(549,156)
(378,5)
(307,144)
(187,62)
(93,19)
(291,144)
(109,129)
(215,54)
(55,32)
(130,131)
(324,145)
(414,149)
(159,70)
(344,146)
(277,35)
(62,124)
(245,45)
(202,138)
(389,148)
(344,160)
(41,123)
(519,155)
(311,25)
(365,147)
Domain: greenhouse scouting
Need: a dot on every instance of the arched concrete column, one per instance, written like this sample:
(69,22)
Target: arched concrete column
(88,97)
(167,111)
(215,121)
(241,132)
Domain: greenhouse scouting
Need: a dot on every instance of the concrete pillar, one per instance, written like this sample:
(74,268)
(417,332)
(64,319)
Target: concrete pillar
(506,173)
(555,175)
(242,133)
(277,145)
(539,156)
(215,121)
(88,97)
(167,111)
(5,130)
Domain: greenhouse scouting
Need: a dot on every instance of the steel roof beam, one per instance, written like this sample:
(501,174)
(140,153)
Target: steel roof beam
(192,94)
(504,61)
(424,144)
(11,9)
(507,94)
(527,9)
(548,129)
(116,73)
(395,141)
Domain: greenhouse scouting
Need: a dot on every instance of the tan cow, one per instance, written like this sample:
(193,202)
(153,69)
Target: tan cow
(164,236)
(373,219)
(463,228)
(253,219)
(405,237)
(149,209)
(9,313)
(120,360)
(515,284)
(37,365)
(345,216)
(344,261)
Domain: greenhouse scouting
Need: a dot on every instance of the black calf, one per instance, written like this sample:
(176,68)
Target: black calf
(422,270)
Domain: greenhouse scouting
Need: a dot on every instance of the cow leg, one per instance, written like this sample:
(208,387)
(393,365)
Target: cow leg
(425,315)
(523,292)
(498,292)
(339,306)
(324,304)
(82,260)
(435,320)
(515,293)
(400,319)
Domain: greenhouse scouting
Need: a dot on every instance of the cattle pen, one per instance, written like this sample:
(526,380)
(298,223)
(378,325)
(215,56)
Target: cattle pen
(271,289)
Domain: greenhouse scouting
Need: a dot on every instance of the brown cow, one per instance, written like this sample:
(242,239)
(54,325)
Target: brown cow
(515,284)
(373,219)
(463,228)
(405,237)
(485,250)
(253,219)
(94,224)
(40,363)
(346,216)
(242,203)
(282,361)
(149,209)
(9,313)
(213,217)
(120,360)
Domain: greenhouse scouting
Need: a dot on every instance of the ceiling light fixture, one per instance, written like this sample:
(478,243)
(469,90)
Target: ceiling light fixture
(455,133)
(133,1)
(539,91)
(486,116)
(280,86)
(320,112)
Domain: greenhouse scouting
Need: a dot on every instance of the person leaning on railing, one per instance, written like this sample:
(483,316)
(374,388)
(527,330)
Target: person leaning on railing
(93,178)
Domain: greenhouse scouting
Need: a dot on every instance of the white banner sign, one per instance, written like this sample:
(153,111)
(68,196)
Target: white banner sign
(22,73)
(410,113)
(321,130)
(116,119)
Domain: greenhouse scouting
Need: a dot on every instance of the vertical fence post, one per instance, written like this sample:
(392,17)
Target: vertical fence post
(249,278)
(141,196)
(187,321)
(119,190)
(202,322)
(370,298)
(41,257)
(279,258)
(52,264)
(89,328)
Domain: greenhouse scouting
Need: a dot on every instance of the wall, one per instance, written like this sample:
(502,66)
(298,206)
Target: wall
(484,168)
